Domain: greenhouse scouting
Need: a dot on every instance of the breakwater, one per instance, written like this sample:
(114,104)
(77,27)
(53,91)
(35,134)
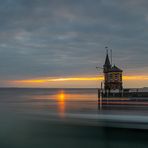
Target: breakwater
(122,94)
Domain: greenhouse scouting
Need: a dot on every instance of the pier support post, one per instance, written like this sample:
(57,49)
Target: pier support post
(100,96)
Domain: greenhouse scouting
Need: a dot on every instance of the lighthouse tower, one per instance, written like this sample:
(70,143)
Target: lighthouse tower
(112,76)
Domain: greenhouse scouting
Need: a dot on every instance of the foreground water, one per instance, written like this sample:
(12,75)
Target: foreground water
(40,118)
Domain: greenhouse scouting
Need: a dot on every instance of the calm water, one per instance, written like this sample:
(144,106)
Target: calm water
(68,118)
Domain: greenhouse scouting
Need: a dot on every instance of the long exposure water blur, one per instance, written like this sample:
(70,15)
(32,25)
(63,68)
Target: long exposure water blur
(69,118)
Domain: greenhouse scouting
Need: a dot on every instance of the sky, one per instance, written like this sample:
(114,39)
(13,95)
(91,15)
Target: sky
(59,43)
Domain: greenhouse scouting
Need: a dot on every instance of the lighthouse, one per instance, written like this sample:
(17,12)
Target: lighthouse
(112,76)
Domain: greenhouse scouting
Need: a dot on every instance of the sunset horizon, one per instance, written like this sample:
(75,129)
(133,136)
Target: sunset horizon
(67,39)
(129,81)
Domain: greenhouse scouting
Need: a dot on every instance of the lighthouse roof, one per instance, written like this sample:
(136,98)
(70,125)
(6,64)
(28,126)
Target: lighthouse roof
(107,61)
(115,69)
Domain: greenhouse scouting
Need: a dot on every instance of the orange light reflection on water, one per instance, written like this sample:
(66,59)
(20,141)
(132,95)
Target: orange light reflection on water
(61,103)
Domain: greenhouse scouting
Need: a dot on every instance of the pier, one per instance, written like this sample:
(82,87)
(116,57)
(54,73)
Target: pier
(111,91)
(122,94)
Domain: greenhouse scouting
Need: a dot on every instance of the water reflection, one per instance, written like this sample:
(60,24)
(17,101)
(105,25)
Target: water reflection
(30,118)
(66,101)
(61,103)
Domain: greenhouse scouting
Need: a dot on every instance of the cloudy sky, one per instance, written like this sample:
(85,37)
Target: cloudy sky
(43,41)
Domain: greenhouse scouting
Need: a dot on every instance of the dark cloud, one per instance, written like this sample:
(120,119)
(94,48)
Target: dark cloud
(67,37)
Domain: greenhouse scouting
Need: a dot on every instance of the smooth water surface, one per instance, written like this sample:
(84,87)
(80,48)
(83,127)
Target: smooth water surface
(42,118)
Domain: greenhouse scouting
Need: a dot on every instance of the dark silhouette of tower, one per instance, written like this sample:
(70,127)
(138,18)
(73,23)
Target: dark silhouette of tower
(112,76)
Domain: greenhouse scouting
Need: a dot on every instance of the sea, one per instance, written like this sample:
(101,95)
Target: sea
(69,118)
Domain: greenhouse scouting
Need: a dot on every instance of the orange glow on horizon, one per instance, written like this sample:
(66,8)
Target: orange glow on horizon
(142,77)
(46,80)
(53,80)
